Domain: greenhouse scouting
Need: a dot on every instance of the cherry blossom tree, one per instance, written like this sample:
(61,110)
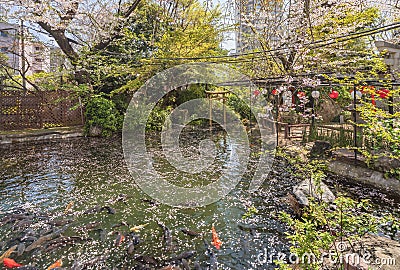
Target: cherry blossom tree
(72,23)
(311,36)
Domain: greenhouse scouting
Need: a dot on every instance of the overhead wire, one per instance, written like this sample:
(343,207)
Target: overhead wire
(261,54)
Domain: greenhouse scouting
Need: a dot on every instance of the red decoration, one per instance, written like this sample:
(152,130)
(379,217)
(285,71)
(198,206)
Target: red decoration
(383,93)
(274,92)
(334,94)
(301,94)
(367,89)
(363,88)
(256,92)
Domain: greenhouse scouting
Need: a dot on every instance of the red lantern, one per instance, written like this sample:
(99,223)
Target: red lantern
(383,93)
(301,94)
(274,92)
(334,94)
(363,88)
(256,92)
(367,89)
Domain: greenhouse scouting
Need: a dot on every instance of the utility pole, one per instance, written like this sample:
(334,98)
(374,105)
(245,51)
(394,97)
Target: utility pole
(23,66)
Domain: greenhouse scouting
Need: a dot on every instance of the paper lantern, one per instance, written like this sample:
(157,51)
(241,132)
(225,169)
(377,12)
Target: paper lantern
(334,94)
(256,92)
(367,89)
(315,94)
(383,93)
(274,92)
(301,94)
(358,94)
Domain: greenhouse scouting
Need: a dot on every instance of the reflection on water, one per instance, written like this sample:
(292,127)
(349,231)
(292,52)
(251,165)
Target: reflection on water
(43,178)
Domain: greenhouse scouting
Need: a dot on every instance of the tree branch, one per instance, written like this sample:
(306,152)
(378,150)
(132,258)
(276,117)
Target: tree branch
(11,77)
(117,29)
(63,42)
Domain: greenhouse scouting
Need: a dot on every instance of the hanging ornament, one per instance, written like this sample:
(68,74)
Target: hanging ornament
(334,94)
(274,92)
(358,94)
(373,99)
(301,94)
(315,94)
(383,93)
(287,98)
(256,92)
(367,89)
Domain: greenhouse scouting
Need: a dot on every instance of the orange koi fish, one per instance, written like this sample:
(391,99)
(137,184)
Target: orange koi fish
(57,263)
(138,227)
(10,263)
(215,240)
(120,238)
(68,208)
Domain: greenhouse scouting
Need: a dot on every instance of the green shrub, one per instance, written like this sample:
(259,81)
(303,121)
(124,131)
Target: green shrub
(102,113)
(240,107)
(157,118)
(322,226)
(192,92)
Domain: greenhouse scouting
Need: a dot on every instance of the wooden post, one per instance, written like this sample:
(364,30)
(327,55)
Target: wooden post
(250,113)
(41,109)
(355,122)
(276,119)
(391,107)
(210,114)
(224,103)
(81,108)
(64,108)
(23,66)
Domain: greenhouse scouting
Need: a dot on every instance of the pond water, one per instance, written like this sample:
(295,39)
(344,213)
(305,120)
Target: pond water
(40,180)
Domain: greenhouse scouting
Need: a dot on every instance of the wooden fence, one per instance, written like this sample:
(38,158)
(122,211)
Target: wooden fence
(19,110)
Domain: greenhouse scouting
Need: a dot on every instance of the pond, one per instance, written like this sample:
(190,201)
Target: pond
(80,192)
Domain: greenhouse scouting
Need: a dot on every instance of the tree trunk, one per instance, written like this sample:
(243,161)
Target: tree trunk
(65,45)
(62,41)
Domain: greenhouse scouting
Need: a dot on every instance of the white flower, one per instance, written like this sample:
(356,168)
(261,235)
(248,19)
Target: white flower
(282,88)
(308,82)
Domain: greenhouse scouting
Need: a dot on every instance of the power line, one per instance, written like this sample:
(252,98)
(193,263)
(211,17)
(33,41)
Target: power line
(258,54)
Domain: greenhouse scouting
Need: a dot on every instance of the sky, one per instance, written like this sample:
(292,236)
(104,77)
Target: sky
(229,42)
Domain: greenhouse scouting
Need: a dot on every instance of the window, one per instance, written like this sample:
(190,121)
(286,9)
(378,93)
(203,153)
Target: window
(3,34)
(38,59)
(3,49)
(37,48)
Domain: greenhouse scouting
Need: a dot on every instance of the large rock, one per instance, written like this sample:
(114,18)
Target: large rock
(328,109)
(307,188)
(320,149)
(365,176)
(385,163)
(296,151)
(95,131)
(371,252)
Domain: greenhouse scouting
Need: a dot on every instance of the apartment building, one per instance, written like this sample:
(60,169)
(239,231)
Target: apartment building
(58,60)
(37,57)
(9,44)
(23,51)
(259,21)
